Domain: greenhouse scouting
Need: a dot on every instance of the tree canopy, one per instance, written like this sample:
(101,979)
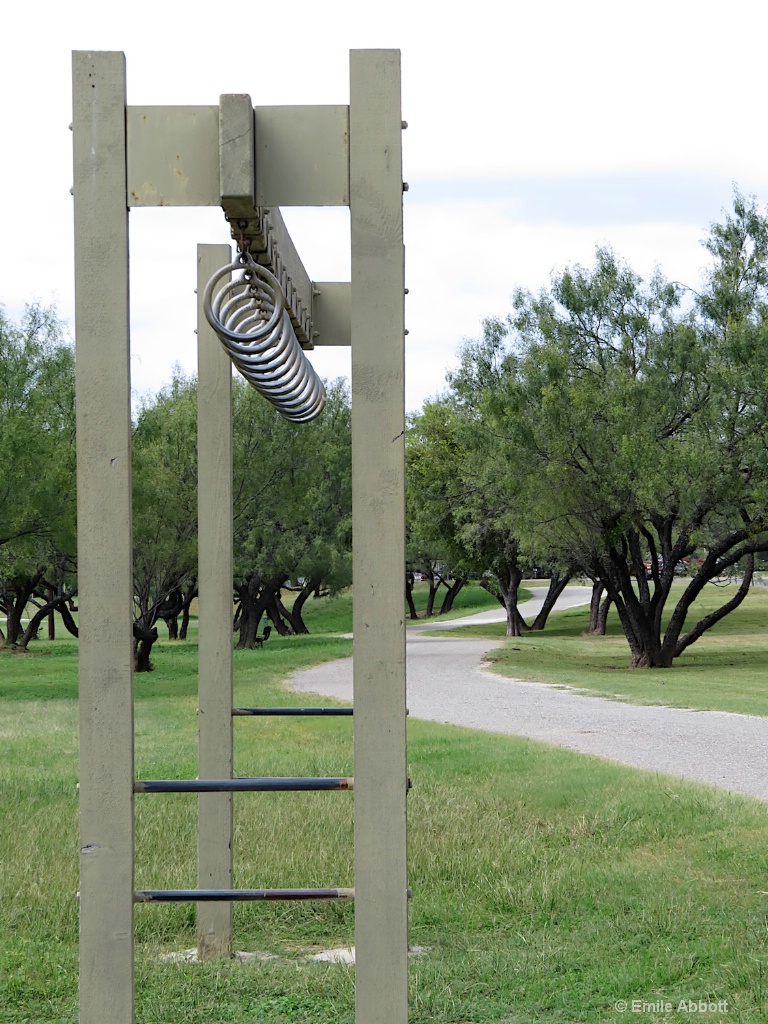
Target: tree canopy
(292,507)
(37,474)
(627,419)
(164,459)
(465,503)
(608,423)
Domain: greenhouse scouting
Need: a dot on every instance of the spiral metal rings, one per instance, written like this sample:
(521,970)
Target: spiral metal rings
(248,313)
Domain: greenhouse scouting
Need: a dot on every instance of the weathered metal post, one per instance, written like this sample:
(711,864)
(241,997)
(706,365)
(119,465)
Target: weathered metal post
(249,162)
(215,656)
(105,582)
(378,518)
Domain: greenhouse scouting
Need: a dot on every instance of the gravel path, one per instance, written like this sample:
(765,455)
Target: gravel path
(446,683)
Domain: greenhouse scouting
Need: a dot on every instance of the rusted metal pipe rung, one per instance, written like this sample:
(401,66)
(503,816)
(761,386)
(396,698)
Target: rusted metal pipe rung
(238,895)
(244,785)
(320,712)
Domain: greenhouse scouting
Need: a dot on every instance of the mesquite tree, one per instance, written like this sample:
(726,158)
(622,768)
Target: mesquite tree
(464,502)
(37,474)
(164,511)
(292,508)
(642,408)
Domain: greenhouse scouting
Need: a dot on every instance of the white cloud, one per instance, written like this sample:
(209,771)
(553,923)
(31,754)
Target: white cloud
(530,128)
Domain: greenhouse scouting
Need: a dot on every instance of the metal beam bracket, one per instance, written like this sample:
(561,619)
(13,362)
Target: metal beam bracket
(259,229)
(264,235)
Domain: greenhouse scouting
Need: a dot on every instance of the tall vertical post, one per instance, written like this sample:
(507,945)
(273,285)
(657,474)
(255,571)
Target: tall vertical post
(215,658)
(105,588)
(378,503)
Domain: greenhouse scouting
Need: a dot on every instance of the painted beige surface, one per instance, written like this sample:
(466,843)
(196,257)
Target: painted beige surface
(332,313)
(302,156)
(215,653)
(173,156)
(172,162)
(378,494)
(105,596)
(237,167)
(250,161)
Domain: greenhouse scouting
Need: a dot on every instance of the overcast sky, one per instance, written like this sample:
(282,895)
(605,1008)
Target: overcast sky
(536,131)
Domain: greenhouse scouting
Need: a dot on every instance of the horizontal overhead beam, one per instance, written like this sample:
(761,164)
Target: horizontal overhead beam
(173,156)
(301,155)
(250,161)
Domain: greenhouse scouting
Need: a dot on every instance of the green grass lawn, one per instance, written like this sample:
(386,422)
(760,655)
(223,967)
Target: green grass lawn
(471,598)
(334,614)
(726,670)
(547,885)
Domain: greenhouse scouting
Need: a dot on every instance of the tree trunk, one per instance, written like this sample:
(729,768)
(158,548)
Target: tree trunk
(431,596)
(54,604)
(598,588)
(651,658)
(296,619)
(65,611)
(143,639)
(277,612)
(13,623)
(17,598)
(556,586)
(677,644)
(453,592)
(643,638)
(169,612)
(602,615)
(598,609)
(515,622)
(255,598)
(249,618)
(409,596)
(189,597)
(143,663)
(514,618)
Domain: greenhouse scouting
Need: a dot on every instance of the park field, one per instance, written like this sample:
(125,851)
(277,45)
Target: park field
(726,670)
(547,886)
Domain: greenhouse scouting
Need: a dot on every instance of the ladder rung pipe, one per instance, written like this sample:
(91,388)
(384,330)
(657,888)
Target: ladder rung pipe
(272,785)
(296,711)
(238,895)
(321,712)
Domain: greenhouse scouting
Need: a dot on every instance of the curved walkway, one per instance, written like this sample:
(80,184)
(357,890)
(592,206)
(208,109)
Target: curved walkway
(447,683)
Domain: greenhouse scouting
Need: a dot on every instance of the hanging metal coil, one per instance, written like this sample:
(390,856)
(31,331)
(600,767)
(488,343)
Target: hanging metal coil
(248,313)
